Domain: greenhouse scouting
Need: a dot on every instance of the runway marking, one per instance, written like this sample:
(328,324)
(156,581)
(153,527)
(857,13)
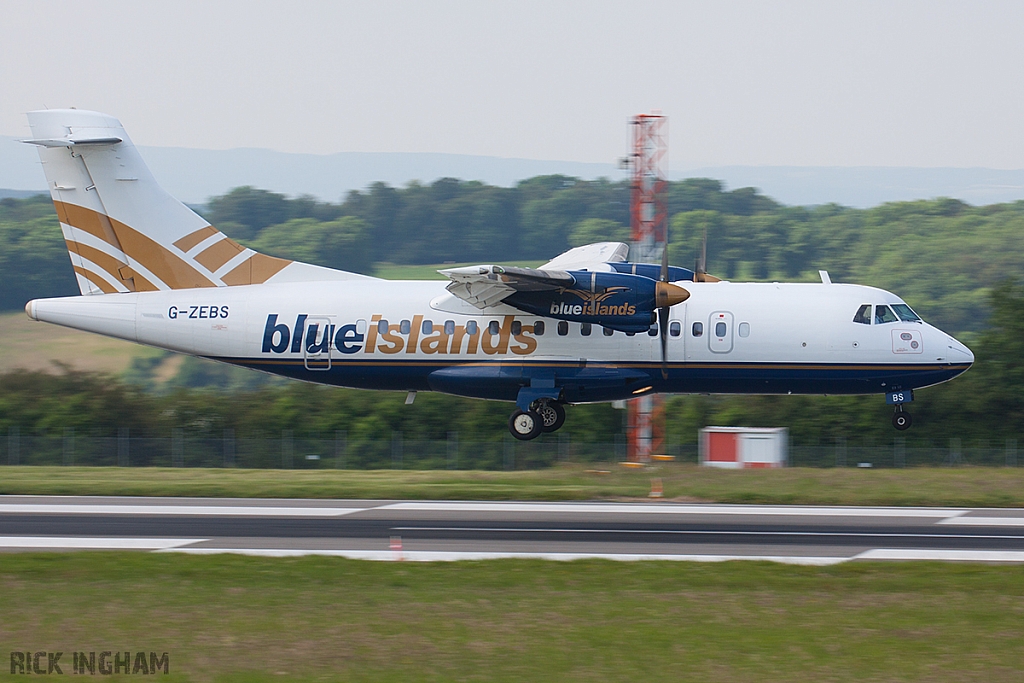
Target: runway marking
(984,521)
(943,555)
(177,510)
(708,532)
(457,556)
(95,543)
(676,509)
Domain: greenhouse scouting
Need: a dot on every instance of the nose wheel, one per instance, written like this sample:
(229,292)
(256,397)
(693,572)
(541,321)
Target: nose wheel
(901,419)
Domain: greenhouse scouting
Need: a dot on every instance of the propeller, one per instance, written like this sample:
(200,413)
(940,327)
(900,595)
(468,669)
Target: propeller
(700,272)
(666,295)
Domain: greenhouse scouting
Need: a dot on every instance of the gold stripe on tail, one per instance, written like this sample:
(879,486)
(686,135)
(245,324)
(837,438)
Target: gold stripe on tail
(193,238)
(172,270)
(255,270)
(117,269)
(219,253)
(104,286)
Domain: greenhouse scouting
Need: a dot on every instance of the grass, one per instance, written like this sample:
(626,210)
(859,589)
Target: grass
(965,486)
(231,618)
(32,345)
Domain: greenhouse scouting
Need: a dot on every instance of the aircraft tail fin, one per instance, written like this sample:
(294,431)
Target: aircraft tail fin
(124,233)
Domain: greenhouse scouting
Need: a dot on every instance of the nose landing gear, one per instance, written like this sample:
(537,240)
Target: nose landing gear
(544,416)
(901,419)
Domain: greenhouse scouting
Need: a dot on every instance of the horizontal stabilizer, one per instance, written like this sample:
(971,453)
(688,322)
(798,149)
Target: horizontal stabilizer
(74,140)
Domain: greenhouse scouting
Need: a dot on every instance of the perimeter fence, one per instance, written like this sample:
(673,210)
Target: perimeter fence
(340,451)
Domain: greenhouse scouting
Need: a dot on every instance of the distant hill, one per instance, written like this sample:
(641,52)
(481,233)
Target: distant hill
(19,194)
(195,175)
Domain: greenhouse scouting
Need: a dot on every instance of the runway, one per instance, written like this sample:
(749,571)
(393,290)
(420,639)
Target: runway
(442,531)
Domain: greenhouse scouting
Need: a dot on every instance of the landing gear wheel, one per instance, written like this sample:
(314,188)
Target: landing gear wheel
(552,416)
(901,419)
(525,425)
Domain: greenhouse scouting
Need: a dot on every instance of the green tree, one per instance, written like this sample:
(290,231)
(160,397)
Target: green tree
(342,243)
(598,230)
(1000,360)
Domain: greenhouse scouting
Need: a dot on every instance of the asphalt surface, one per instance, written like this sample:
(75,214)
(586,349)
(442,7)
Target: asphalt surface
(439,530)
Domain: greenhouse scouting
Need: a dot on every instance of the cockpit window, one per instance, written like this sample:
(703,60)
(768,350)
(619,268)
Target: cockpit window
(883,314)
(863,315)
(905,314)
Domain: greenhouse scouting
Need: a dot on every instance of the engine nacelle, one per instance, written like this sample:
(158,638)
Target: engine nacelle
(619,301)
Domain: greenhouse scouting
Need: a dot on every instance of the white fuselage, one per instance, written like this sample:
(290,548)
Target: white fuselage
(727,337)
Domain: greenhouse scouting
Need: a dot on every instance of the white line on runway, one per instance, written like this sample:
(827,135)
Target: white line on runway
(984,521)
(943,555)
(705,532)
(97,543)
(178,510)
(676,509)
(454,556)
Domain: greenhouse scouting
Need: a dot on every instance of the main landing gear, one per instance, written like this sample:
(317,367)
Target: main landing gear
(544,416)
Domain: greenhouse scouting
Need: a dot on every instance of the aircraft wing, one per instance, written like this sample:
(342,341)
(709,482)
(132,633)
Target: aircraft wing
(484,286)
(592,257)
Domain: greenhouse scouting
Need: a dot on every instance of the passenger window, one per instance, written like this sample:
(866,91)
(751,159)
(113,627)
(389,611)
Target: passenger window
(405,327)
(652,331)
(427,327)
(360,326)
(538,328)
(905,314)
(744,329)
(493,327)
(675,328)
(720,329)
(517,327)
(607,331)
(585,329)
(863,315)
(449,327)
(563,328)
(382,326)
(884,315)
(472,327)
(698,329)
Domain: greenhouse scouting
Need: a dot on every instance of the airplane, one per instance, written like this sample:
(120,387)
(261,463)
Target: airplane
(587,326)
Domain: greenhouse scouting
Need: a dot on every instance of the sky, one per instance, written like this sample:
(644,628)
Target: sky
(926,84)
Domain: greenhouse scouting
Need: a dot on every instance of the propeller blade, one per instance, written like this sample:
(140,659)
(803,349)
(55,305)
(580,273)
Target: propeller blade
(666,295)
(700,272)
(663,330)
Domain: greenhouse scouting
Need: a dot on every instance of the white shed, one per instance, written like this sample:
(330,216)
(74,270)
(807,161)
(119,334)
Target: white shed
(744,447)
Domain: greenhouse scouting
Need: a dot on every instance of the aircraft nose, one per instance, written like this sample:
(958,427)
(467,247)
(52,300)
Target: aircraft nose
(958,351)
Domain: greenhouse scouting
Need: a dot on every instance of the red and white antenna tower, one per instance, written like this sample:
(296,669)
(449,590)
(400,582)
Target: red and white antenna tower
(648,216)
(649,222)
